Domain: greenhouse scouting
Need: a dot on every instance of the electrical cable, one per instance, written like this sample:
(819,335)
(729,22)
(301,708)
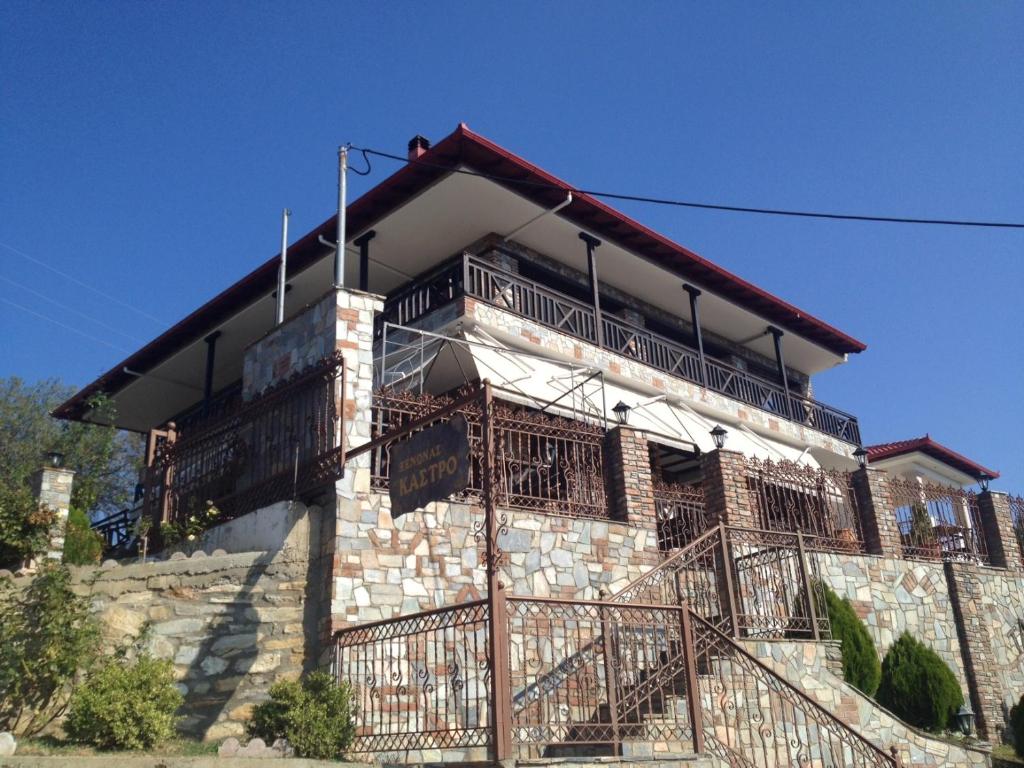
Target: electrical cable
(73,279)
(66,308)
(64,325)
(690,204)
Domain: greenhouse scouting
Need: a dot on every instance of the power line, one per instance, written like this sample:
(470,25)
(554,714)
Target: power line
(73,279)
(66,308)
(690,204)
(63,325)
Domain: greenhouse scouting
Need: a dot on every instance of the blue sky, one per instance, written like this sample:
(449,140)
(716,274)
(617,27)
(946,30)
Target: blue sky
(146,150)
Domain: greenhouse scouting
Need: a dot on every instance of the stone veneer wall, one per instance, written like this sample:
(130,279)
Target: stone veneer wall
(990,610)
(232,625)
(427,559)
(893,595)
(52,487)
(811,667)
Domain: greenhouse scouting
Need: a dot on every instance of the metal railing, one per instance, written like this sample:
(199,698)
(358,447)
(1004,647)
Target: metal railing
(119,531)
(544,463)
(752,717)
(471,276)
(286,442)
(1016,504)
(937,522)
(747,582)
(420,681)
(819,502)
(680,513)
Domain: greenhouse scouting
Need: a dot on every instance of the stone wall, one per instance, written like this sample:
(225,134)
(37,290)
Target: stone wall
(811,668)
(893,596)
(232,624)
(427,559)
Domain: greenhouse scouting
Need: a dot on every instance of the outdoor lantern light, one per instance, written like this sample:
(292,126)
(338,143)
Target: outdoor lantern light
(965,719)
(621,411)
(718,435)
(983,480)
(55,459)
(861,456)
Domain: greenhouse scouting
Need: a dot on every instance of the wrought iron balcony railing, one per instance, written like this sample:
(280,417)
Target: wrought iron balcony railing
(470,276)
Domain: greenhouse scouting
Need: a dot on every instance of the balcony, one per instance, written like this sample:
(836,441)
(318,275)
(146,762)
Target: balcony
(470,276)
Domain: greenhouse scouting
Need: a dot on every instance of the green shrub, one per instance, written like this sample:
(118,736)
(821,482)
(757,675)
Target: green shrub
(24,525)
(315,715)
(1017,726)
(125,705)
(918,686)
(861,667)
(82,545)
(47,637)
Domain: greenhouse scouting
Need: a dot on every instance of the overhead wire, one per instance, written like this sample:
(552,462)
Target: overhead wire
(85,285)
(65,326)
(67,308)
(691,204)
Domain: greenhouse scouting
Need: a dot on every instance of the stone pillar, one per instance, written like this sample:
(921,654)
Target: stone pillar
(726,494)
(877,514)
(997,528)
(52,487)
(628,468)
(980,663)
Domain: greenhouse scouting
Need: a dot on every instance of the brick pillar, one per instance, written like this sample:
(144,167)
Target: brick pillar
(877,514)
(628,468)
(726,494)
(980,668)
(52,487)
(997,528)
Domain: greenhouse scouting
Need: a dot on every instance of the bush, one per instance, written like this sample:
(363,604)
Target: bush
(125,705)
(46,638)
(82,545)
(861,667)
(315,715)
(24,525)
(918,686)
(1017,726)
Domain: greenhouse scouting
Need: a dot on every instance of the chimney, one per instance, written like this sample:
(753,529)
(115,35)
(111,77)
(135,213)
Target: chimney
(418,147)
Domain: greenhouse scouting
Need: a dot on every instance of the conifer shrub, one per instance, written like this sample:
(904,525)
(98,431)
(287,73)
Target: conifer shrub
(1017,727)
(125,704)
(82,545)
(861,667)
(315,715)
(918,686)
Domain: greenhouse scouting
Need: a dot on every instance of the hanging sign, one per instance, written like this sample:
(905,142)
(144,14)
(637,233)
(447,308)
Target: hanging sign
(429,466)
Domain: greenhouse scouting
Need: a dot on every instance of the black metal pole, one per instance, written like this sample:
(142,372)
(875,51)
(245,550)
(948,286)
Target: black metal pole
(780,361)
(698,336)
(211,354)
(592,243)
(363,241)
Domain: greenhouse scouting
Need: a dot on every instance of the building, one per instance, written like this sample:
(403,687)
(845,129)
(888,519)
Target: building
(656,443)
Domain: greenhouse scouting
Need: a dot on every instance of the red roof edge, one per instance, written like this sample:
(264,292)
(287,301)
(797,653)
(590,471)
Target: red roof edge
(463,146)
(931,448)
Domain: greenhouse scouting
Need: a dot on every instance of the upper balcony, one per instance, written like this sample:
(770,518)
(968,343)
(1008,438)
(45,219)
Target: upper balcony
(470,276)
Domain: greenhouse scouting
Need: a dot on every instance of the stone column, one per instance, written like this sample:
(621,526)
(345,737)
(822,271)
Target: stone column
(52,487)
(997,528)
(877,514)
(974,633)
(726,494)
(628,467)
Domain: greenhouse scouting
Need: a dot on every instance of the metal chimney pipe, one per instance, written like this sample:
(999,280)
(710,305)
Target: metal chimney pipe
(339,254)
(282,268)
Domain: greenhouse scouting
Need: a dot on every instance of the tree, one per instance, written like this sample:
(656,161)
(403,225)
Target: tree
(861,667)
(105,461)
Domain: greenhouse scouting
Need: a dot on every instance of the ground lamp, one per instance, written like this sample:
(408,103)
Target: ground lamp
(621,411)
(718,435)
(965,719)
